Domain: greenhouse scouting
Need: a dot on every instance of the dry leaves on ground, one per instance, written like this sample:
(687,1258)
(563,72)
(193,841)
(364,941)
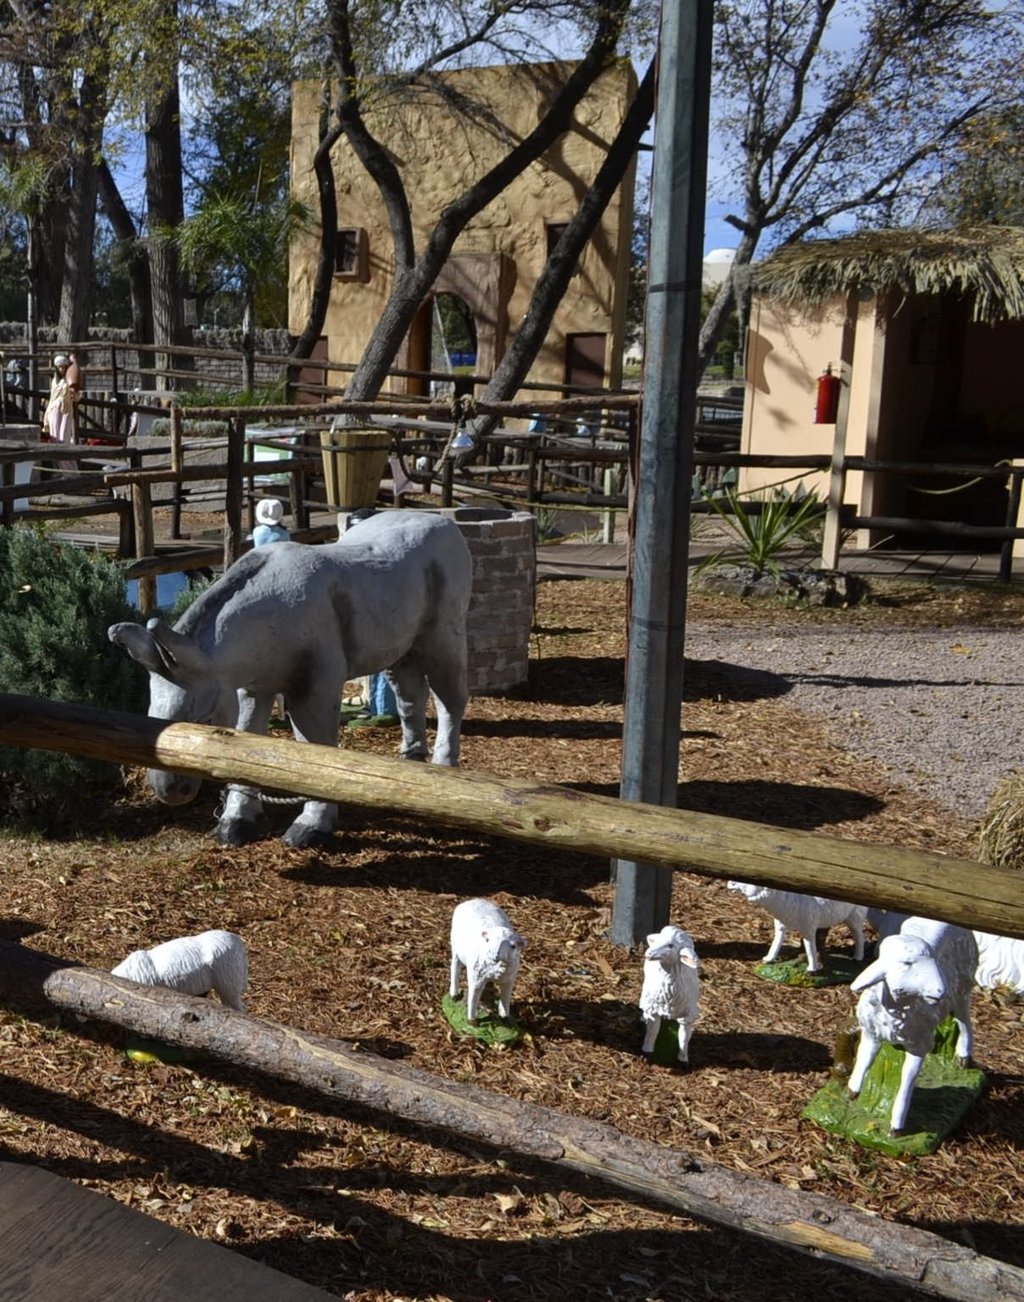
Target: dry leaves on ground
(352,942)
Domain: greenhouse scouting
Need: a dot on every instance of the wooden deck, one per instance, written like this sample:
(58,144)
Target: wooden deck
(62,1243)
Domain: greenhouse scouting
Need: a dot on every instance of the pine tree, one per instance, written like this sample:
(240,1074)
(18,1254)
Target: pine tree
(56,604)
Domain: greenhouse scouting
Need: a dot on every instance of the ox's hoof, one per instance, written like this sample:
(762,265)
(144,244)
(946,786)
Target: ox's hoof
(300,836)
(419,756)
(236,832)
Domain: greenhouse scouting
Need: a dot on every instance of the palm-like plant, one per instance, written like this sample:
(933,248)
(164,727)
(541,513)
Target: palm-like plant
(766,524)
(244,238)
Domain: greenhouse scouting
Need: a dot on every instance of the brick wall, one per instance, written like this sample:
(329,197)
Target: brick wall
(503,545)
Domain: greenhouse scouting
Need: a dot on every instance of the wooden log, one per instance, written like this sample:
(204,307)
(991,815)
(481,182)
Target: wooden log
(807,1222)
(911,881)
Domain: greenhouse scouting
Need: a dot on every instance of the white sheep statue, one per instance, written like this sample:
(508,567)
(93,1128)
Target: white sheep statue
(488,948)
(806,914)
(922,974)
(1000,962)
(193,965)
(671,987)
(1000,958)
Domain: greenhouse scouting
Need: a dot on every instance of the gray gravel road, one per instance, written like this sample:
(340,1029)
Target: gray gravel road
(942,709)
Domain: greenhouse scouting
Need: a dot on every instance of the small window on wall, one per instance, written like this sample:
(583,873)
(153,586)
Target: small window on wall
(350,260)
(554,234)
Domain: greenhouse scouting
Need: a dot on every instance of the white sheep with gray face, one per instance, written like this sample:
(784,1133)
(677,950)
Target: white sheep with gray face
(487,947)
(922,974)
(671,987)
(806,914)
(193,965)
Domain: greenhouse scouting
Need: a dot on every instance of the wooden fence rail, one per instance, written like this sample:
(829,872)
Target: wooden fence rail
(912,881)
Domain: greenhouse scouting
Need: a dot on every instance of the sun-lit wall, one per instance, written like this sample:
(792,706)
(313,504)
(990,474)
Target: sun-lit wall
(496,261)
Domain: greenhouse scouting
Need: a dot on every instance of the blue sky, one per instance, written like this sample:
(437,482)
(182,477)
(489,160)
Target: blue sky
(718,234)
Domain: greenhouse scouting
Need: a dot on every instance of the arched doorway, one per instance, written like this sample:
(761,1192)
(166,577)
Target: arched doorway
(482,284)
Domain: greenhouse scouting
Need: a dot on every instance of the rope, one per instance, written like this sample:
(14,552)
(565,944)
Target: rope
(957,488)
(462,409)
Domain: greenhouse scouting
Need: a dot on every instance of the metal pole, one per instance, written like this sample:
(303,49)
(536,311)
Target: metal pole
(654,665)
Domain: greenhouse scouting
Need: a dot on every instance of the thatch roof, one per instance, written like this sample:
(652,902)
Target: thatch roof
(984,265)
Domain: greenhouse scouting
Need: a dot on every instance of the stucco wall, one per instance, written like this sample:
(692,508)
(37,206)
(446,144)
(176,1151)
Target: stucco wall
(928,385)
(787,350)
(503,250)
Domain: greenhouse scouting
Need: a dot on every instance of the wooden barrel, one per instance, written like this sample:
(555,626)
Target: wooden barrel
(354,464)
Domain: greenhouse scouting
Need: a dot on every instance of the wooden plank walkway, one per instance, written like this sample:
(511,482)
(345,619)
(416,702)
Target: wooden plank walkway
(62,1243)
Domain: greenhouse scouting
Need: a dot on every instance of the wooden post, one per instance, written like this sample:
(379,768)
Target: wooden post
(1012,546)
(177,461)
(142,515)
(608,525)
(233,491)
(447,473)
(832,534)
(125,532)
(9,473)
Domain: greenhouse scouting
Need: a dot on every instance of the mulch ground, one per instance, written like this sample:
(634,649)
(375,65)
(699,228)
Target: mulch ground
(351,942)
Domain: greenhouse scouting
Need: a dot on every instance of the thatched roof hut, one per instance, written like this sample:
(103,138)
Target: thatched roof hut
(983,265)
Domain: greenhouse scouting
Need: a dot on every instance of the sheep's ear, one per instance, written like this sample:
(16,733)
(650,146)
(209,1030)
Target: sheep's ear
(689,958)
(872,974)
(653,938)
(519,941)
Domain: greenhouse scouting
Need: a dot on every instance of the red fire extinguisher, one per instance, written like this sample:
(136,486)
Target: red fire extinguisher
(827,406)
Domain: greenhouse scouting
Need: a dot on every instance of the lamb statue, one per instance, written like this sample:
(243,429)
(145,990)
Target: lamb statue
(300,621)
(671,987)
(1000,962)
(806,914)
(193,965)
(923,973)
(485,944)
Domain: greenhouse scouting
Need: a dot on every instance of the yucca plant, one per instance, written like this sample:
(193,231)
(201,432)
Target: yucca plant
(765,524)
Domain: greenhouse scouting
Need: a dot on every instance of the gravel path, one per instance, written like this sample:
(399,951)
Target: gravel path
(940,708)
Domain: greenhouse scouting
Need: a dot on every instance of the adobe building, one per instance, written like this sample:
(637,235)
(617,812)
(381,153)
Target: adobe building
(497,260)
(934,338)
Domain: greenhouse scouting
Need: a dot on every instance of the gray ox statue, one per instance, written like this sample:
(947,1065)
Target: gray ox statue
(391,594)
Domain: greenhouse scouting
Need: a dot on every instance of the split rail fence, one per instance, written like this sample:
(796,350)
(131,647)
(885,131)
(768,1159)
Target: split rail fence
(570,453)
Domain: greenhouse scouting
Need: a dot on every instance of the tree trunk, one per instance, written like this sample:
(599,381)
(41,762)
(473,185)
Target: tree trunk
(77,284)
(324,278)
(726,299)
(811,1223)
(134,255)
(166,206)
(554,279)
(414,282)
(890,877)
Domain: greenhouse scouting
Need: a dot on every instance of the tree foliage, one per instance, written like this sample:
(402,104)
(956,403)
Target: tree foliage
(831,113)
(56,604)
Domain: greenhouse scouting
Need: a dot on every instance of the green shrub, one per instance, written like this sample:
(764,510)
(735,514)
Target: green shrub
(56,603)
(267,395)
(196,586)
